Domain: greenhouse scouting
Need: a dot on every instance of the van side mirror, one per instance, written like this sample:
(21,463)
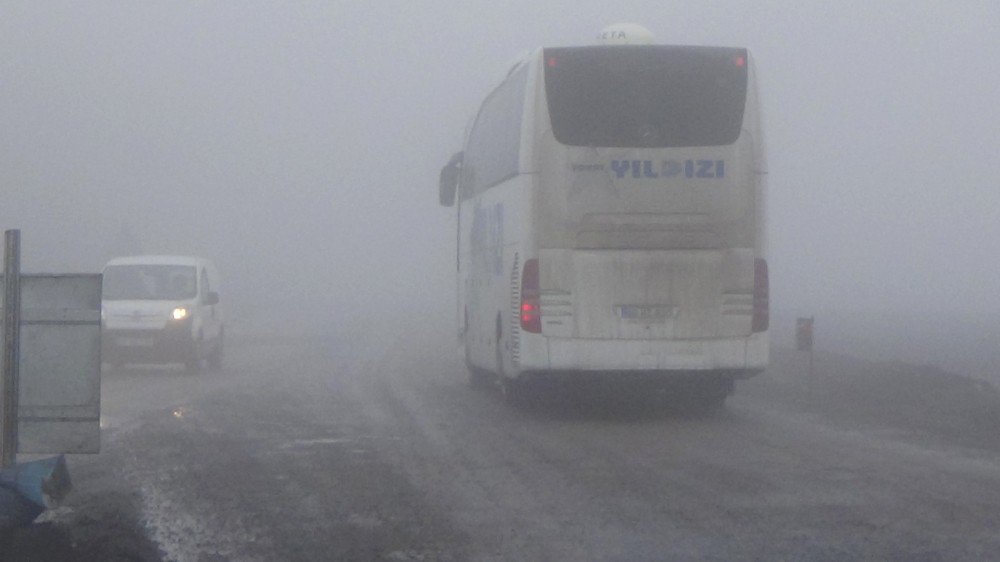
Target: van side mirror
(212,298)
(448,183)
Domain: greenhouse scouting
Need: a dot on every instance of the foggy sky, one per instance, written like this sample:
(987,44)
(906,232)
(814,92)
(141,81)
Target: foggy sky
(298,144)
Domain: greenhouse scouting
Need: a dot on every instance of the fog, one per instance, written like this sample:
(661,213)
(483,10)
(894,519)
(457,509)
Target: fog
(298,146)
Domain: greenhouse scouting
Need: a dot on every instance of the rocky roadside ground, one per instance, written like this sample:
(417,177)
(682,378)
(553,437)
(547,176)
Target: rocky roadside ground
(922,402)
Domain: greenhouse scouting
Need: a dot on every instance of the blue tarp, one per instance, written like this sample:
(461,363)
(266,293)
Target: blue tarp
(28,488)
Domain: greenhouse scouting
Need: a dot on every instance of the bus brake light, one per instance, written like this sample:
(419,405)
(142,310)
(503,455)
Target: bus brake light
(531,312)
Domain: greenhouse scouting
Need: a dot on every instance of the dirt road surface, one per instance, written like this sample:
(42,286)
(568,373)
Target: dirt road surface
(315,449)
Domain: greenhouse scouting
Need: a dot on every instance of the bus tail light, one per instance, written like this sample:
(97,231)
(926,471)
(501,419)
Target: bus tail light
(761,296)
(531,312)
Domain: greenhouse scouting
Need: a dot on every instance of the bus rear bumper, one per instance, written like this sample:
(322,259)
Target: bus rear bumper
(746,356)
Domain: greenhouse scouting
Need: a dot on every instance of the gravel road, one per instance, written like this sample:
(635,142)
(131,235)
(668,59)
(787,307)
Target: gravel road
(310,449)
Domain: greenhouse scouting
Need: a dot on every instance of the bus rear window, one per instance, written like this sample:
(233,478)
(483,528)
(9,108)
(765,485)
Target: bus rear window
(646,96)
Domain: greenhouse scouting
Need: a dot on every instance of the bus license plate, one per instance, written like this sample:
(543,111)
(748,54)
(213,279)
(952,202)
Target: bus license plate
(646,313)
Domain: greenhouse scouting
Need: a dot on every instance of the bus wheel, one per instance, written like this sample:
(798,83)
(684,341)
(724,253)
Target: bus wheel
(513,390)
(499,349)
(710,396)
(478,378)
(711,402)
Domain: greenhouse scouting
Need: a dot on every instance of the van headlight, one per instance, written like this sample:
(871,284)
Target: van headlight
(179,313)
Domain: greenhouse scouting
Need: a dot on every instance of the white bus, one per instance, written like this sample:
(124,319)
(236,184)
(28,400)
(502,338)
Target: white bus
(611,220)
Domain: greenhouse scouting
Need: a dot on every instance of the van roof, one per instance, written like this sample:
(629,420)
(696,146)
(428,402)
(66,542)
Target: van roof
(158,260)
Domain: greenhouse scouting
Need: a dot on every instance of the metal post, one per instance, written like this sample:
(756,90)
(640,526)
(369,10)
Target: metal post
(812,347)
(812,371)
(11,347)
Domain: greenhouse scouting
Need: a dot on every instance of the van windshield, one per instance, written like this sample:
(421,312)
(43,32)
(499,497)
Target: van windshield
(150,282)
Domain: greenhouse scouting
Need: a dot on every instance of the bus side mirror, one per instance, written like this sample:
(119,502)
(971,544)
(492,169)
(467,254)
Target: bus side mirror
(212,298)
(448,182)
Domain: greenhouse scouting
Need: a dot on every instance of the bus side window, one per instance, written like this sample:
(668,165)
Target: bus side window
(494,146)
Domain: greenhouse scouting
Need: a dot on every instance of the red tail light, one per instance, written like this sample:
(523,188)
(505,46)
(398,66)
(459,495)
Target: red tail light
(761,296)
(531,312)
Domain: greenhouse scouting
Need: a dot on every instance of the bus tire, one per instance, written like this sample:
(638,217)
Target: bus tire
(499,347)
(478,378)
(710,396)
(513,391)
(712,402)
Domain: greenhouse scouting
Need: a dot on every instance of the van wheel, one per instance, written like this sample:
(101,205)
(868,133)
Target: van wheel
(215,358)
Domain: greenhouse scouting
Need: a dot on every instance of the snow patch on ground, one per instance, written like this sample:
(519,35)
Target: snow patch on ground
(184,534)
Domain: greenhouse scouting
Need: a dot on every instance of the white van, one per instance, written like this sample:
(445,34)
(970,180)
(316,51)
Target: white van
(162,309)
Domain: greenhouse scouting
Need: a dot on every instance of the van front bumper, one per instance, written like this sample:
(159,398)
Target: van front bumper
(168,345)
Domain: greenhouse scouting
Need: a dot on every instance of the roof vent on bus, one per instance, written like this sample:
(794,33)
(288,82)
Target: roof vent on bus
(625,34)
